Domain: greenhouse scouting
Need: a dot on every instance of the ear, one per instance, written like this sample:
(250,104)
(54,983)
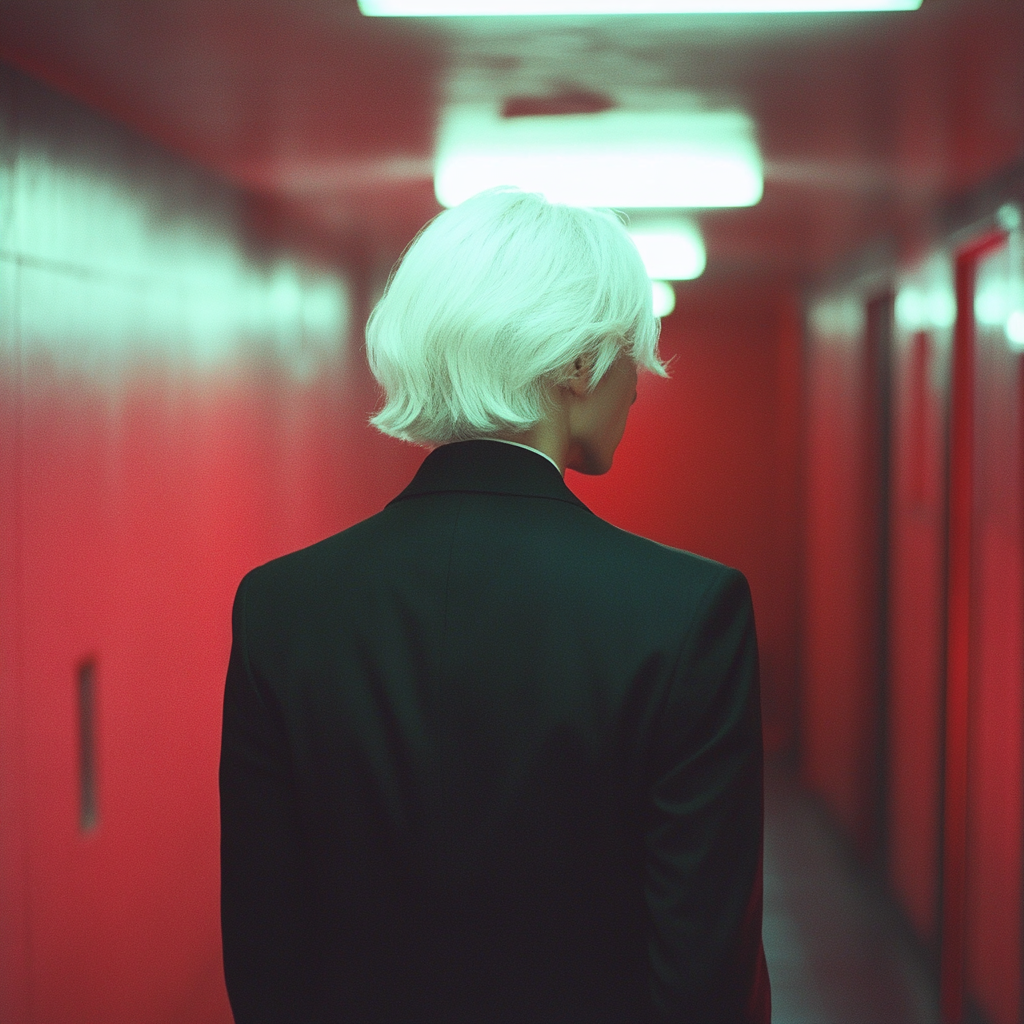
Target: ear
(580,378)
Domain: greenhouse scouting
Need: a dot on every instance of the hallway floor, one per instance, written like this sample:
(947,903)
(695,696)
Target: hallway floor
(837,952)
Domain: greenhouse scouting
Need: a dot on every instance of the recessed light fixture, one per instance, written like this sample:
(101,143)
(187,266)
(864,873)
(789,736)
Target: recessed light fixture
(480,8)
(664,298)
(671,251)
(633,160)
(1015,330)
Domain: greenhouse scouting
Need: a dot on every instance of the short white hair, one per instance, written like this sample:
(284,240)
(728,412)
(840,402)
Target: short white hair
(492,303)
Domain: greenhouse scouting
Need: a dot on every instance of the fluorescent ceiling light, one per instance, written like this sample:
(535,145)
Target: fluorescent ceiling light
(1015,329)
(477,8)
(635,160)
(664,297)
(671,251)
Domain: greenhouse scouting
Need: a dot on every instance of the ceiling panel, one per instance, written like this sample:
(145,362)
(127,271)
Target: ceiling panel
(866,122)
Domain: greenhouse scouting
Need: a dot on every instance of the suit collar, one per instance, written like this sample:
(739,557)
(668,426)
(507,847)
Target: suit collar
(491,468)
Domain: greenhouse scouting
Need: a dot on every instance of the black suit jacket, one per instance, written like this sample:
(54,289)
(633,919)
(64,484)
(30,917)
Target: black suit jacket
(487,757)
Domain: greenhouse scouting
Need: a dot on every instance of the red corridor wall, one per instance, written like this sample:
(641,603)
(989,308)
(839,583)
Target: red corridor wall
(181,399)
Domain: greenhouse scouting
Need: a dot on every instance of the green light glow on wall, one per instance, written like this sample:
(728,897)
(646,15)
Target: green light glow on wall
(926,301)
(113,276)
(919,309)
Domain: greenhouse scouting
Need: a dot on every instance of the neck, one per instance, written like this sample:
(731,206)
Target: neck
(547,437)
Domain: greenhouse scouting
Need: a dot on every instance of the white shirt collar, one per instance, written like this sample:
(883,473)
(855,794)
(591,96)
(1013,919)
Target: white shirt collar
(529,449)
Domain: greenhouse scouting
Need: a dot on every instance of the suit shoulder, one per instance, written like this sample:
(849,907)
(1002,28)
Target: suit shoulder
(319,559)
(645,551)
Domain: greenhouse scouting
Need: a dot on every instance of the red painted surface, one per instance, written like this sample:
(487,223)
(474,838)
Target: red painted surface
(959,627)
(160,437)
(995,767)
(140,514)
(916,624)
(710,458)
(839,706)
(14,945)
(955,648)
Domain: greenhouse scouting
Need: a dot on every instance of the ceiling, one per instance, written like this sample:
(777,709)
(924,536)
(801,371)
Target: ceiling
(868,123)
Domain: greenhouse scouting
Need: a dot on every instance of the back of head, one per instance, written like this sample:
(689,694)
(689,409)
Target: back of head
(492,304)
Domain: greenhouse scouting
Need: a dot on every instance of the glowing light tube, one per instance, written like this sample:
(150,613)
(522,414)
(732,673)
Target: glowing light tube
(1015,330)
(664,298)
(615,158)
(672,251)
(481,8)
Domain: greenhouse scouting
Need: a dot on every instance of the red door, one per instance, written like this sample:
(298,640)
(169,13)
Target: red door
(995,797)
(984,806)
(917,577)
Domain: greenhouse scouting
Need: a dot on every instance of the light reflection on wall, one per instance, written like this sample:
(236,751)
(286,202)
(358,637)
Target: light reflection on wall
(999,300)
(837,317)
(920,308)
(926,302)
(111,271)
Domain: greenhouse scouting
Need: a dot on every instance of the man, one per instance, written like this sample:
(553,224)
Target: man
(485,756)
